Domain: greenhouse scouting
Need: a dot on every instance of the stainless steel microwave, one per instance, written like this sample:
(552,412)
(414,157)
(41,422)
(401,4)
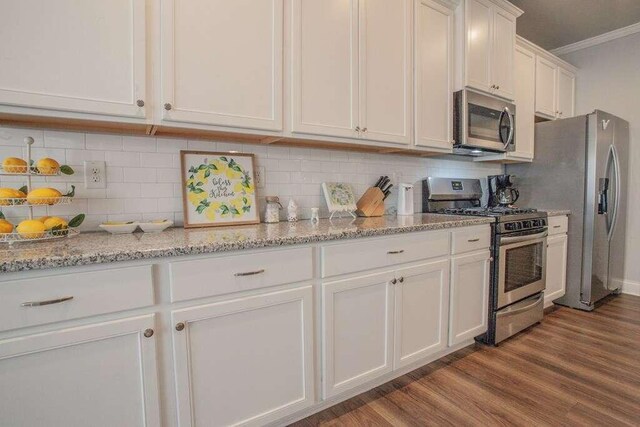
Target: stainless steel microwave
(482,124)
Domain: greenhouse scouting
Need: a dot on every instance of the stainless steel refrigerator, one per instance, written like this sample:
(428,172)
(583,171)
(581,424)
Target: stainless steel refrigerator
(581,164)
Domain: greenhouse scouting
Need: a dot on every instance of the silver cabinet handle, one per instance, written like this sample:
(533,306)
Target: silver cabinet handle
(401,251)
(473,240)
(47,302)
(401,279)
(357,128)
(394,281)
(249,273)
(168,106)
(140,103)
(557,226)
(497,87)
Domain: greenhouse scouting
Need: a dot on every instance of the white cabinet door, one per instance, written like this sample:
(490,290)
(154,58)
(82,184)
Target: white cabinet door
(556,268)
(433,75)
(99,375)
(222,62)
(245,361)
(469,296)
(324,43)
(357,328)
(66,55)
(502,53)
(385,38)
(478,18)
(546,87)
(525,94)
(421,312)
(566,93)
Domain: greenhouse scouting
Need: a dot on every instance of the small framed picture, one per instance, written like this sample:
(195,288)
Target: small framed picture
(218,189)
(339,197)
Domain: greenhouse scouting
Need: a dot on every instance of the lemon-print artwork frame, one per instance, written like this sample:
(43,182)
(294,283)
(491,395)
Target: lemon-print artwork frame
(218,189)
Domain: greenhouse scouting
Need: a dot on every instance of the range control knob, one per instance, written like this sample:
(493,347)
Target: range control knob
(508,226)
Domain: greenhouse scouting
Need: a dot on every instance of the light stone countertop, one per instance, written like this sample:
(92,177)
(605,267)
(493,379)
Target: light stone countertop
(101,247)
(556,212)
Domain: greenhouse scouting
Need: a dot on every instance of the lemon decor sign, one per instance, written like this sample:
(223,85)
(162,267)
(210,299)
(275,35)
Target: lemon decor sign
(218,189)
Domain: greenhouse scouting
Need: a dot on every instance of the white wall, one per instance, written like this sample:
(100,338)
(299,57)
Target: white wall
(609,79)
(143,173)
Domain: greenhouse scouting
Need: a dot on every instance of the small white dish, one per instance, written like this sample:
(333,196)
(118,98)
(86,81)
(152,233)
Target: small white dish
(119,227)
(155,226)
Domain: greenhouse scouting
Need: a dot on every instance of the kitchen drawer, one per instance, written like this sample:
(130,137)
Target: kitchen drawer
(362,255)
(93,293)
(558,225)
(226,274)
(470,239)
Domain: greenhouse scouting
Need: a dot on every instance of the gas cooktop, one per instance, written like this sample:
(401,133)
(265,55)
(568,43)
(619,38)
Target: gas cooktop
(488,211)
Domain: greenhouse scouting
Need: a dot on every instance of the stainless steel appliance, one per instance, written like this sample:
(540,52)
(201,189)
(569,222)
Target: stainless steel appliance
(482,123)
(519,246)
(501,190)
(581,164)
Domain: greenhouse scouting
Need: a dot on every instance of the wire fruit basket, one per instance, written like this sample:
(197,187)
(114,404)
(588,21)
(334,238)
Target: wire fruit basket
(31,202)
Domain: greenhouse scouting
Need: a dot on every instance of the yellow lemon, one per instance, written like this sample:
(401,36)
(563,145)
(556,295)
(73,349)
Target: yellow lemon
(232,174)
(195,198)
(55,221)
(43,196)
(221,167)
(14,165)
(210,213)
(31,229)
(48,166)
(5,226)
(42,219)
(10,193)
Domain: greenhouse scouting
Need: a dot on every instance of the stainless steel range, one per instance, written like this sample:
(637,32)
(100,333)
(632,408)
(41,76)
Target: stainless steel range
(519,246)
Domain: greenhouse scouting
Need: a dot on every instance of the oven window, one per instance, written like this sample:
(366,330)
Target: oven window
(523,266)
(484,123)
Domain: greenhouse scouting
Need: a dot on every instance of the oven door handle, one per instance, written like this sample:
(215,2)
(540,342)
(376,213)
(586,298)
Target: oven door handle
(517,239)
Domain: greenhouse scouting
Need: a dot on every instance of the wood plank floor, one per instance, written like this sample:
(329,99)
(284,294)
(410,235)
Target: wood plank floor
(575,368)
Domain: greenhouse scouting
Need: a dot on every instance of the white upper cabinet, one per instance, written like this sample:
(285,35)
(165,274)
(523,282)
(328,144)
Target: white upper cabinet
(325,67)
(525,93)
(71,56)
(351,69)
(555,89)
(546,86)
(222,62)
(433,75)
(489,34)
(385,70)
(566,93)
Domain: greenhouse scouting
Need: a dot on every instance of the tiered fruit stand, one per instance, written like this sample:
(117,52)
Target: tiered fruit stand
(29,172)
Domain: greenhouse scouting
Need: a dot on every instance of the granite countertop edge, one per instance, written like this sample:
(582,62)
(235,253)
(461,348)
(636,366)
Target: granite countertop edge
(556,212)
(47,258)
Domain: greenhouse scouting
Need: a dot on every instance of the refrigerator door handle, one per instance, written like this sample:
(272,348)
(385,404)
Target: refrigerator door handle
(616,205)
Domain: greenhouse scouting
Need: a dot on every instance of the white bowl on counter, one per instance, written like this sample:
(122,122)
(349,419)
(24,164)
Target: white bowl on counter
(119,227)
(155,226)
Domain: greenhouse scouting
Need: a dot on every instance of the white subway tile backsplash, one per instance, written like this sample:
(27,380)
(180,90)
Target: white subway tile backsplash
(144,178)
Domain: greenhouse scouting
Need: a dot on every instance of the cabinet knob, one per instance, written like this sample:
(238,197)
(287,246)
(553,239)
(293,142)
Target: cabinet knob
(357,128)
(497,87)
(180,327)
(140,103)
(394,281)
(168,106)
(148,333)
(401,279)
(364,129)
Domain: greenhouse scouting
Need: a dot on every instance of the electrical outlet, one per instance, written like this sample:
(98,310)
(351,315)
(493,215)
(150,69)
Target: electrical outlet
(260,177)
(95,175)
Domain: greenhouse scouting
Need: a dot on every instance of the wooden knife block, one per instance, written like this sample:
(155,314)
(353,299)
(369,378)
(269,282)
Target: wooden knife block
(371,203)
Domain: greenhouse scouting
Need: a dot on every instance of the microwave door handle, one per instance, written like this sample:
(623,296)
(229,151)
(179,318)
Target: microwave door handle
(511,127)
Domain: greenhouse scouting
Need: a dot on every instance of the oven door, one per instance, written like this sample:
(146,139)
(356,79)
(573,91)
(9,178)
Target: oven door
(522,270)
(487,123)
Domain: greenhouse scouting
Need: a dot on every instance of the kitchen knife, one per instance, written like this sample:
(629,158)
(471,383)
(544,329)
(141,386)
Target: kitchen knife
(385,181)
(379,182)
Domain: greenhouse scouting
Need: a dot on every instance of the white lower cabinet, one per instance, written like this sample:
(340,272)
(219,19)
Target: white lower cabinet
(100,375)
(421,312)
(556,268)
(356,331)
(469,296)
(245,361)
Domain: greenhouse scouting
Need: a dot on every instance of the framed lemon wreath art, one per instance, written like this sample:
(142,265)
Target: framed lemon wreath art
(218,189)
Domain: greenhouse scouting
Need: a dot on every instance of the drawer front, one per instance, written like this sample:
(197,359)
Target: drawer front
(226,274)
(471,239)
(558,225)
(344,258)
(50,299)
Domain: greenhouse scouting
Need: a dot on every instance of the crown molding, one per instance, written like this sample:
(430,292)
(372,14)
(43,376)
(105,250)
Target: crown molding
(594,41)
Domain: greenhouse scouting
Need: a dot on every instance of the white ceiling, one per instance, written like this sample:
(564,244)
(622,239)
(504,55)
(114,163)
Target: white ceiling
(555,23)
